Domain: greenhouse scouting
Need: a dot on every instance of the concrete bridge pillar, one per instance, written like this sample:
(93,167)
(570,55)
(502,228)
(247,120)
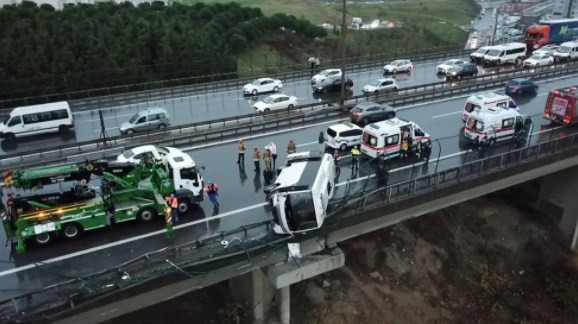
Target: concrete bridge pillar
(559,199)
(257,290)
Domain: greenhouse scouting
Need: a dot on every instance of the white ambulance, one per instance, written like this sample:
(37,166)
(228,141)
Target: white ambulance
(384,138)
(487,100)
(493,125)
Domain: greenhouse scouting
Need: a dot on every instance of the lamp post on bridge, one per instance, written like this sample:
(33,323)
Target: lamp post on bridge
(343,52)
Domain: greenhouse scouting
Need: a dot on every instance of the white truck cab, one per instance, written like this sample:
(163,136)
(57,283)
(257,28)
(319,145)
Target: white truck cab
(493,125)
(384,138)
(301,193)
(187,179)
(484,101)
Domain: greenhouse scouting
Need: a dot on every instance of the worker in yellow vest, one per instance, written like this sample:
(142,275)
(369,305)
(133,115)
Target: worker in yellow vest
(242,149)
(291,147)
(256,158)
(355,159)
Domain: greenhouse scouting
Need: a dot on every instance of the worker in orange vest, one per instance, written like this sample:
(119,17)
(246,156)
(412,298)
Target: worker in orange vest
(173,202)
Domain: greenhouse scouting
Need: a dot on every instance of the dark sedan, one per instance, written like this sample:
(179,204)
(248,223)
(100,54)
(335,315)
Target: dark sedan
(465,70)
(332,84)
(520,86)
(370,112)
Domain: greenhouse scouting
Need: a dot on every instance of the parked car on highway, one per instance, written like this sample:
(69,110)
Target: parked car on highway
(380,85)
(329,73)
(275,102)
(398,66)
(539,59)
(370,112)
(520,86)
(461,71)
(146,120)
(332,84)
(445,66)
(344,135)
(262,85)
(137,154)
(547,49)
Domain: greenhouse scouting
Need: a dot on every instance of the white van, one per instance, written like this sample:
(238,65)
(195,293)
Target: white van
(493,125)
(478,55)
(384,138)
(487,100)
(343,136)
(37,119)
(506,53)
(566,51)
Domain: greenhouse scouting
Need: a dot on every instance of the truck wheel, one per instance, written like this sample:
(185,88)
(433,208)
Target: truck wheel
(44,238)
(146,215)
(71,230)
(183,207)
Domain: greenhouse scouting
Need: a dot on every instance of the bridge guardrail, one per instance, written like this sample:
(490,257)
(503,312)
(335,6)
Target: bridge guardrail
(33,305)
(220,129)
(110,96)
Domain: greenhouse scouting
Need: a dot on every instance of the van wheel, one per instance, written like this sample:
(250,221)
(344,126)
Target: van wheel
(365,120)
(130,132)
(146,215)
(10,137)
(518,61)
(44,238)
(343,147)
(183,207)
(267,110)
(290,106)
(162,126)
(394,71)
(276,89)
(254,92)
(71,230)
(62,129)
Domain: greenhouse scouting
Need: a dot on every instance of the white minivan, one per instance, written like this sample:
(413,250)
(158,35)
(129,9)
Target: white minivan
(566,51)
(37,119)
(506,53)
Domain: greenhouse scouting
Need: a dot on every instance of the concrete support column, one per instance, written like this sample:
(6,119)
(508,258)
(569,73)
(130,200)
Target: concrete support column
(559,199)
(284,302)
(255,292)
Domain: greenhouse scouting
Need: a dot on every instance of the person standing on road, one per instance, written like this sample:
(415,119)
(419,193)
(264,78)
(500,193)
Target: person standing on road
(311,61)
(321,141)
(273,149)
(317,63)
(173,202)
(242,149)
(291,147)
(256,159)
(355,159)
(267,159)
(212,191)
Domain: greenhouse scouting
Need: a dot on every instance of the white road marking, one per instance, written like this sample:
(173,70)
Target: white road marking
(448,114)
(108,128)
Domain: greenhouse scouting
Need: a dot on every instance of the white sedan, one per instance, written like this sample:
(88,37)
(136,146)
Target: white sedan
(447,65)
(379,85)
(275,102)
(539,60)
(263,85)
(137,154)
(398,66)
(547,49)
(329,73)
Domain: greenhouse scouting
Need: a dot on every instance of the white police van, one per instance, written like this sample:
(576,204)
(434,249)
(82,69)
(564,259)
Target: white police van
(342,136)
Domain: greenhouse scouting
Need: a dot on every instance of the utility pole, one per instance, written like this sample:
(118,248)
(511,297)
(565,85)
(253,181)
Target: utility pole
(343,52)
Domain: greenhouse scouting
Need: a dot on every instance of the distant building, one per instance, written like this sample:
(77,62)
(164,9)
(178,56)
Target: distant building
(565,9)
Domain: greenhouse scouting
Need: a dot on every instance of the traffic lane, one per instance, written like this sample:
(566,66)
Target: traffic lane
(35,270)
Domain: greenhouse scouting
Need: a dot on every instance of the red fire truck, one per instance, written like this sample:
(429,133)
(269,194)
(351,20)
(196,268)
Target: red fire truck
(561,105)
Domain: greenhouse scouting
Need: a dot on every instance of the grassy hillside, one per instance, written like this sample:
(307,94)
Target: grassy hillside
(426,24)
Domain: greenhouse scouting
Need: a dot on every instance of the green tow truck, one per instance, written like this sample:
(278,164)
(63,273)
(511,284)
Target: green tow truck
(44,203)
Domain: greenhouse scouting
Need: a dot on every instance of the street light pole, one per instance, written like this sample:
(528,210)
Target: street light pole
(343,52)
